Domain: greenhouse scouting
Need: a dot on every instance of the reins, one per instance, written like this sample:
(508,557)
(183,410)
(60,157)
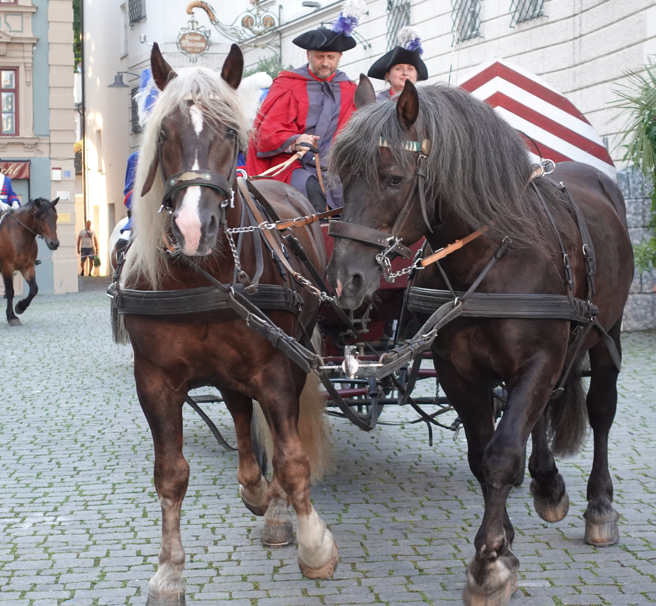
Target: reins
(38,235)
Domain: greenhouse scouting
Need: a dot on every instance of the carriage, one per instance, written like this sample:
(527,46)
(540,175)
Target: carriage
(542,273)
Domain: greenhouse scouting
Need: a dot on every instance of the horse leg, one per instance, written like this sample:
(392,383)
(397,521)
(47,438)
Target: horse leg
(492,573)
(476,411)
(279,399)
(7,276)
(162,407)
(550,498)
(30,278)
(601,528)
(253,487)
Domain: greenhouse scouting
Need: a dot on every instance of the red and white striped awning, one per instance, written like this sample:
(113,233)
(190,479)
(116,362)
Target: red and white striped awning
(535,108)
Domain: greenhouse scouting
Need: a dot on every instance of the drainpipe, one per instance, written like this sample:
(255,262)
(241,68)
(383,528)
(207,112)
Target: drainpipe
(83,113)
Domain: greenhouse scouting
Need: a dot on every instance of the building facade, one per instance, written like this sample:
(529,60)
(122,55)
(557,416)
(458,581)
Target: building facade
(581,48)
(37,127)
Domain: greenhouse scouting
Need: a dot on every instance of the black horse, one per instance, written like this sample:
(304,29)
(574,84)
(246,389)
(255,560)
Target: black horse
(18,248)
(449,165)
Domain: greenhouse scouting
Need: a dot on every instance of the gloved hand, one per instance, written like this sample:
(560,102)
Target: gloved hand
(15,205)
(4,207)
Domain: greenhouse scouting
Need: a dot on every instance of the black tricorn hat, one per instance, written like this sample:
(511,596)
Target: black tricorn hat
(398,55)
(326,40)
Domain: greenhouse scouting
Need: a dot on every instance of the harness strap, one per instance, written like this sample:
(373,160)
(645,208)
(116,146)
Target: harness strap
(447,250)
(259,322)
(367,235)
(202,178)
(400,356)
(270,238)
(586,240)
(569,280)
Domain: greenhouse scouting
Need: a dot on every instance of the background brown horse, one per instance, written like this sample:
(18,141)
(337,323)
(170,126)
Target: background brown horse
(197,123)
(18,248)
(478,174)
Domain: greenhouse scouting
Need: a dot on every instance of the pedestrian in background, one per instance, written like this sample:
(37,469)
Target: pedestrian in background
(87,247)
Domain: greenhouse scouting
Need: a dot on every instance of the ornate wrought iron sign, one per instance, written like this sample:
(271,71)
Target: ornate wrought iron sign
(247,28)
(193,40)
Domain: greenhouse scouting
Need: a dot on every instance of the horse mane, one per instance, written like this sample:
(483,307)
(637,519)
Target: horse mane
(221,104)
(478,165)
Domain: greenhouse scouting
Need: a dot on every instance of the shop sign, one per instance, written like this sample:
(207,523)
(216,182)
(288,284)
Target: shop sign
(15,170)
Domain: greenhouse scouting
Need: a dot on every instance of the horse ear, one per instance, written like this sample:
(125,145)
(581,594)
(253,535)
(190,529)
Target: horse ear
(54,202)
(37,202)
(407,106)
(364,93)
(162,71)
(150,178)
(233,67)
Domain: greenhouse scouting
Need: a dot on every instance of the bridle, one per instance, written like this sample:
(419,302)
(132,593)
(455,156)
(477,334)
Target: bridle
(198,177)
(391,242)
(36,234)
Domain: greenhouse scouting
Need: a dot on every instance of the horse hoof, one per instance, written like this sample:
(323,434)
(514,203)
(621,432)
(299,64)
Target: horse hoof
(173,600)
(321,572)
(547,509)
(15,322)
(255,509)
(499,597)
(19,310)
(601,527)
(278,527)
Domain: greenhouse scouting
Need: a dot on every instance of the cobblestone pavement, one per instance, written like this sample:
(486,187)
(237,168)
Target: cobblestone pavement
(79,520)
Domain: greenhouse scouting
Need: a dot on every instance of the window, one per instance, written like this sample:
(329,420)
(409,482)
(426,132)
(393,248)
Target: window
(466,18)
(9,92)
(136,11)
(398,16)
(525,10)
(134,111)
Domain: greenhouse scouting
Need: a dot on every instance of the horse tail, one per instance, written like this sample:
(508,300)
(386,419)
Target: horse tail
(313,426)
(567,416)
(119,332)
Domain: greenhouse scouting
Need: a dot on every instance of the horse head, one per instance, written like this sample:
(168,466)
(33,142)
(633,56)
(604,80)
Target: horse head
(45,215)
(378,182)
(197,147)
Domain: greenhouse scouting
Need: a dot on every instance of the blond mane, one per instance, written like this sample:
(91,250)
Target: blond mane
(221,104)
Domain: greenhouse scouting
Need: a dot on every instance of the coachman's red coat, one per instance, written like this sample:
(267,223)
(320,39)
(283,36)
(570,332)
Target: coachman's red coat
(298,103)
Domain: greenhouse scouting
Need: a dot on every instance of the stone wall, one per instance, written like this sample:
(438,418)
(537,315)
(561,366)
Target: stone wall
(640,311)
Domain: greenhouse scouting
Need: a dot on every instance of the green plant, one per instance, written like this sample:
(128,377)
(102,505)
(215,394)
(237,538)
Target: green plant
(271,65)
(77,33)
(638,102)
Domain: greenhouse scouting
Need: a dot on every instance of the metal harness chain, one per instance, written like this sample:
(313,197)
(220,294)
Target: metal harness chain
(386,265)
(302,280)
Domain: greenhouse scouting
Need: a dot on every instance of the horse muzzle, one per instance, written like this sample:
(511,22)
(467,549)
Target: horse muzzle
(352,278)
(195,226)
(52,243)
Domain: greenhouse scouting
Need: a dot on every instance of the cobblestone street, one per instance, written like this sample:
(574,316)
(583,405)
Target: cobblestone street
(80,522)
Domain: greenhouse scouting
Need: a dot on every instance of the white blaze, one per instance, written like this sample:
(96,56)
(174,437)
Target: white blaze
(188,217)
(196,118)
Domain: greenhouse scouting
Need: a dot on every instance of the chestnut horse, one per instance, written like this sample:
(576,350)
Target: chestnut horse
(451,161)
(195,130)
(18,248)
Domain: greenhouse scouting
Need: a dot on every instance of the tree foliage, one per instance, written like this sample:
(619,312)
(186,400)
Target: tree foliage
(77,33)
(637,100)
(271,65)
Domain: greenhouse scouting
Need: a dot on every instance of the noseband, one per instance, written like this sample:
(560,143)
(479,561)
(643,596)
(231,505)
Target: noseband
(390,242)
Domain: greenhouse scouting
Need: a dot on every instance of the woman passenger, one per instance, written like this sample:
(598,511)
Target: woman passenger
(402,63)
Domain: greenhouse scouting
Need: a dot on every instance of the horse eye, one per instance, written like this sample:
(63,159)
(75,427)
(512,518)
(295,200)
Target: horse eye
(396,181)
(231,132)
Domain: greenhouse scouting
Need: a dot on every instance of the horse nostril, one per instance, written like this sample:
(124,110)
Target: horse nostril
(212,224)
(357,282)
